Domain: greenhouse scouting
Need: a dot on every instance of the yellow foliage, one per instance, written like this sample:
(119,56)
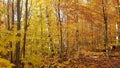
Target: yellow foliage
(5,63)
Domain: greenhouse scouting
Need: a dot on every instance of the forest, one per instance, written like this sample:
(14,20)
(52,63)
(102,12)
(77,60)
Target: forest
(59,33)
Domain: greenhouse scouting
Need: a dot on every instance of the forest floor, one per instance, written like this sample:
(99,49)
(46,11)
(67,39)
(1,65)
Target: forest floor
(99,62)
(94,62)
(91,59)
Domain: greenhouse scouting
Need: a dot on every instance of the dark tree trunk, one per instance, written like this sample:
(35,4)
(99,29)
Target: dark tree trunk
(25,27)
(12,14)
(105,26)
(60,31)
(17,61)
(9,28)
(12,26)
(8,15)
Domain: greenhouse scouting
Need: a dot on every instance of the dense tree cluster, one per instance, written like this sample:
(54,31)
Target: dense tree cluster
(35,32)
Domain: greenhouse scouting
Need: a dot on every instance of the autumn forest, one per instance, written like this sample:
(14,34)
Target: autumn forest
(59,33)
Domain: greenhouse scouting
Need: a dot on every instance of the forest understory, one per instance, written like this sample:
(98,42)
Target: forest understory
(59,33)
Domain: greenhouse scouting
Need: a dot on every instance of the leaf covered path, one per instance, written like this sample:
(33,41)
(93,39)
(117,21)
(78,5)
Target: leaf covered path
(89,62)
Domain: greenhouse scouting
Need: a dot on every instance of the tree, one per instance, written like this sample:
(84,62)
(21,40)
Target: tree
(17,60)
(25,27)
(60,31)
(118,23)
(105,25)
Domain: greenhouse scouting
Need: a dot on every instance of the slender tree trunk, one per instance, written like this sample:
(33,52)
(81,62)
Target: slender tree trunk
(17,61)
(66,36)
(118,23)
(77,34)
(60,31)
(21,8)
(105,27)
(12,15)
(8,26)
(25,27)
(8,15)
(12,26)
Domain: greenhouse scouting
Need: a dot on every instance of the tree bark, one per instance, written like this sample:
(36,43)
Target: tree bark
(60,31)
(105,27)
(118,23)
(12,26)
(8,15)
(25,27)
(17,61)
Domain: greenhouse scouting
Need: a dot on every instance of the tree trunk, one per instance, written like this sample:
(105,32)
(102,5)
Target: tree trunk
(66,37)
(118,24)
(25,27)
(105,27)
(12,26)
(12,14)
(17,61)
(8,15)
(60,31)
(9,28)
